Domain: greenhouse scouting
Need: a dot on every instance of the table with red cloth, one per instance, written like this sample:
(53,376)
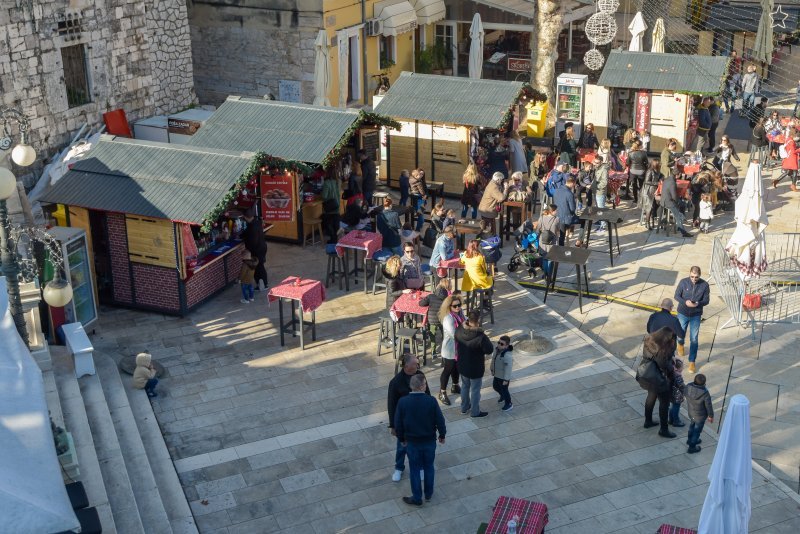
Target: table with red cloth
(409,303)
(689,170)
(588,157)
(682,186)
(778,139)
(452,266)
(309,294)
(615,180)
(532,516)
(355,241)
(671,529)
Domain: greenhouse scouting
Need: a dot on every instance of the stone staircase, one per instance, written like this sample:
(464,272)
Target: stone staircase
(124,463)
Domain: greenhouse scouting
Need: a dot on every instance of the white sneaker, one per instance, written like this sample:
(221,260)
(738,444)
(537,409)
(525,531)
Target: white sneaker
(422,475)
(252,300)
(244,301)
(397,475)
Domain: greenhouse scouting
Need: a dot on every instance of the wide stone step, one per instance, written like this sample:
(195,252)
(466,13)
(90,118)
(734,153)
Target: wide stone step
(76,421)
(143,483)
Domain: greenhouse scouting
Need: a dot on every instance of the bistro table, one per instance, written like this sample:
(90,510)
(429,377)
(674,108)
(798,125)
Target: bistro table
(355,241)
(309,294)
(509,206)
(435,190)
(409,303)
(453,265)
(682,187)
(466,227)
(575,256)
(531,516)
(588,157)
(610,217)
(671,529)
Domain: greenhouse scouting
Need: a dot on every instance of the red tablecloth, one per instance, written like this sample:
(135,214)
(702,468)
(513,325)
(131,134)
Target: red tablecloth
(690,170)
(683,188)
(785,121)
(780,138)
(452,263)
(588,157)
(310,293)
(671,529)
(532,516)
(370,242)
(409,303)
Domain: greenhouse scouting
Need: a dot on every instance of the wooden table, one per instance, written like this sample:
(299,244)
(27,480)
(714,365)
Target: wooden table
(532,516)
(435,190)
(309,294)
(575,256)
(610,217)
(355,241)
(466,227)
(513,205)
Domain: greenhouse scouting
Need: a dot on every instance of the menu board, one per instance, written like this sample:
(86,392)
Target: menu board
(370,143)
(277,191)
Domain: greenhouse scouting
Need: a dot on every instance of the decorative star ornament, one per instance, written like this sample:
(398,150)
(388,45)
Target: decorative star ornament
(778,18)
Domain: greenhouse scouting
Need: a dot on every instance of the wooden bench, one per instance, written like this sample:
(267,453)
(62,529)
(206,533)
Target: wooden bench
(81,348)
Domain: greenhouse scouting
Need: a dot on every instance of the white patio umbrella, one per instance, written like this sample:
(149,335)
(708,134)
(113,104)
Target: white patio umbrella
(32,493)
(637,27)
(322,70)
(762,47)
(659,36)
(344,64)
(747,246)
(726,509)
(476,35)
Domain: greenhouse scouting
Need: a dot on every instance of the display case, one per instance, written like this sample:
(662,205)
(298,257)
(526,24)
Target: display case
(78,270)
(570,99)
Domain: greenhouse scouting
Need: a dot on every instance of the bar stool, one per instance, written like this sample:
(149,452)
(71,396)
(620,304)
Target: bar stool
(386,334)
(412,336)
(427,272)
(377,198)
(379,261)
(337,268)
(665,220)
(316,228)
(479,297)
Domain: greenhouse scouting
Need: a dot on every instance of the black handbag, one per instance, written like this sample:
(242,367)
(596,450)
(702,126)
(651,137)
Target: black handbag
(650,377)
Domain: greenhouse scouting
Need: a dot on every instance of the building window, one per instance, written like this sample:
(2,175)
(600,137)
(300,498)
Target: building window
(388,51)
(76,75)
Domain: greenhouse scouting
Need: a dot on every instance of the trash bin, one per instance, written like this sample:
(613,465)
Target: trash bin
(537,118)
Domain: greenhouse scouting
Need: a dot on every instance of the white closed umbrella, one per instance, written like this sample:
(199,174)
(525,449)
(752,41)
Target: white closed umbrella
(747,246)
(659,36)
(637,27)
(322,70)
(726,509)
(344,65)
(762,47)
(476,35)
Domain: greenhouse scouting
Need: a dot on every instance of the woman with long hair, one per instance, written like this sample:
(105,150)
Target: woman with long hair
(451,316)
(647,195)
(637,167)
(569,148)
(659,349)
(476,274)
(395,286)
(472,190)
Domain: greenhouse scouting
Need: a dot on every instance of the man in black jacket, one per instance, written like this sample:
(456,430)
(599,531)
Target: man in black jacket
(417,420)
(253,237)
(398,388)
(472,346)
(692,294)
(669,201)
(368,176)
(663,318)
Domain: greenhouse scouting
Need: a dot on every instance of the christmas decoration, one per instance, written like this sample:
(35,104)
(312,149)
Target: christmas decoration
(607,6)
(601,28)
(594,59)
(364,118)
(525,94)
(778,18)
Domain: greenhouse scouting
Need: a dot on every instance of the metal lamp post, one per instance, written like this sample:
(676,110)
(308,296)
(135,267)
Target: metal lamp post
(58,292)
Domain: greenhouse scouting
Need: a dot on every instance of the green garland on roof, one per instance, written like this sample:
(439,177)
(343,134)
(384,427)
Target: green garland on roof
(259,160)
(364,118)
(526,93)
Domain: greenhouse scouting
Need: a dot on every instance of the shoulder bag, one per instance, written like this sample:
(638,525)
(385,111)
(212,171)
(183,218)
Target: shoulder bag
(650,377)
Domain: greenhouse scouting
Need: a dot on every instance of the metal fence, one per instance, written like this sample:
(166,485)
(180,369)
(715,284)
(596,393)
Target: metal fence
(778,286)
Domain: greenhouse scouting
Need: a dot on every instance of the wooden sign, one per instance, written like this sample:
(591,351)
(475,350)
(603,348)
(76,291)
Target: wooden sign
(519,64)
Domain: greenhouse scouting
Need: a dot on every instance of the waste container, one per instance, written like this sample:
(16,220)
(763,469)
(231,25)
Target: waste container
(537,118)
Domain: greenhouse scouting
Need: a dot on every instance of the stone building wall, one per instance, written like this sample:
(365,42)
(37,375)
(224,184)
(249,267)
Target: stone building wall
(137,55)
(247,47)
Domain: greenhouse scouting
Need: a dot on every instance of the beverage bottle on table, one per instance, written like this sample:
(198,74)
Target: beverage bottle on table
(512,525)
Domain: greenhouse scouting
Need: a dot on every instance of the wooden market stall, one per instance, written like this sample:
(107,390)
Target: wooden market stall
(323,138)
(163,221)
(652,92)
(443,121)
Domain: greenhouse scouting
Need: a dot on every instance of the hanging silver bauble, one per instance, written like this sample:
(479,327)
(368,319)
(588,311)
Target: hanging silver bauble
(594,59)
(601,28)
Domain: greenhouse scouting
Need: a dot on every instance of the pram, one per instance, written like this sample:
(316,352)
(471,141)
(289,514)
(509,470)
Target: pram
(490,247)
(526,250)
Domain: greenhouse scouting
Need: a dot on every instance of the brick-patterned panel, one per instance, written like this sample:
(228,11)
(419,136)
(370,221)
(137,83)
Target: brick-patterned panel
(118,250)
(234,264)
(205,283)
(156,287)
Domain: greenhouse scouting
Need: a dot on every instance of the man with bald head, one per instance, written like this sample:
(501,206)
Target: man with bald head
(664,318)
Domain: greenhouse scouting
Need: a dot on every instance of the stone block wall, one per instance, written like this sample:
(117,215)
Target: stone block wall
(246,47)
(138,58)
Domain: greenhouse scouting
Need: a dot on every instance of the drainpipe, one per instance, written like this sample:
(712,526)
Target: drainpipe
(365,78)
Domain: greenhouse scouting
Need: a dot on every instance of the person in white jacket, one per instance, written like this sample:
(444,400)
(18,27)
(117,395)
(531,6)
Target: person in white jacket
(451,316)
(706,212)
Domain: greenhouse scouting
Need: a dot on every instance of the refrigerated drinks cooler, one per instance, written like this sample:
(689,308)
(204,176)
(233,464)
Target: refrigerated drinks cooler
(570,97)
(78,270)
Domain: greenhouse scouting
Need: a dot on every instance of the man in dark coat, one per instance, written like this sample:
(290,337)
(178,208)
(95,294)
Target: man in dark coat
(368,176)
(472,346)
(692,294)
(663,318)
(669,201)
(399,387)
(253,238)
(564,199)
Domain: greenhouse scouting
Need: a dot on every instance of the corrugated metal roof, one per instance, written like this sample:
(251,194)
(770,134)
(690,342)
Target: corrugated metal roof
(298,132)
(737,17)
(449,99)
(175,182)
(668,72)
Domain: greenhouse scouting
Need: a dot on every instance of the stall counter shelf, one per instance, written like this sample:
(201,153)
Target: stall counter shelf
(219,250)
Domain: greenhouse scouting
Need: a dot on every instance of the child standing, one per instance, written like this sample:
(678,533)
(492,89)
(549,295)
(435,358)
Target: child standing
(247,277)
(678,389)
(698,404)
(501,370)
(706,212)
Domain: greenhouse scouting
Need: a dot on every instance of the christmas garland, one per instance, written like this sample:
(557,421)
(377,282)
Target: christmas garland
(364,118)
(526,93)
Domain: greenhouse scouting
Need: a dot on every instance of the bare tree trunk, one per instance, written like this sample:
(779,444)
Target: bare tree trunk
(548,23)
(534,45)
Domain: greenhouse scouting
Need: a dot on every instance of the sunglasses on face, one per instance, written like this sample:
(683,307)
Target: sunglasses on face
(455,305)
(501,344)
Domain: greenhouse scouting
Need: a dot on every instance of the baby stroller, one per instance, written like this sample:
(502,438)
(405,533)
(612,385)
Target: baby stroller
(526,251)
(490,246)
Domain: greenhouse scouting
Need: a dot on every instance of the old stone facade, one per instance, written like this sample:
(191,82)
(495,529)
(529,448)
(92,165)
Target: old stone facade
(254,47)
(66,63)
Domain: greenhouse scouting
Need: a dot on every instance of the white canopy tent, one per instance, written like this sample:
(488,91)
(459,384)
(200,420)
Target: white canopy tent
(33,498)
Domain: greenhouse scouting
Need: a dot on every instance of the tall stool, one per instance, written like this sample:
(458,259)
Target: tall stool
(316,227)
(479,298)
(377,198)
(412,336)
(427,272)
(379,261)
(386,335)
(665,220)
(337,268)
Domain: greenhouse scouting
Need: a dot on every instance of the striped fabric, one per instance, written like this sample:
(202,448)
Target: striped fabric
(532,516)
(671,529)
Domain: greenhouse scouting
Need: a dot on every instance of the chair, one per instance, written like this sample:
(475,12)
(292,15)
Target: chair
(412,336)
(379,261)
(337,268)
(316,227)
(386,334)
(427,272)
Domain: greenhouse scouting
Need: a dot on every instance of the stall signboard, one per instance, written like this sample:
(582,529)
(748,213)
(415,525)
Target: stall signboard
(519,64)
(277,191)
(370,143)
(642,117)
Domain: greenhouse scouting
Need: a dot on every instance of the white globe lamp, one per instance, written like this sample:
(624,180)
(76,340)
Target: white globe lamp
(8,183)
(23,154)
(57,293)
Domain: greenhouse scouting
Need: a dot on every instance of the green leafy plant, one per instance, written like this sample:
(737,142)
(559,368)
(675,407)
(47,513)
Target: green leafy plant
(386,63)
(424,61)
(442,55)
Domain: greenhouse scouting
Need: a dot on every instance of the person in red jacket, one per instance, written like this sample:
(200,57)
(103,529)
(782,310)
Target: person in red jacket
(789,164)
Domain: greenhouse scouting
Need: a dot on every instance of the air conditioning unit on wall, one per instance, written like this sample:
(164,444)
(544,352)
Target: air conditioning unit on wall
(373,27)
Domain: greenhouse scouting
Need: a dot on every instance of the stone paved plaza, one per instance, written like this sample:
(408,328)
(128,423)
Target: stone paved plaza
(272,439)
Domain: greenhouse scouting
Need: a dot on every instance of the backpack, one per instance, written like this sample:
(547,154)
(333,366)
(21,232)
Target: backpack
(429,239)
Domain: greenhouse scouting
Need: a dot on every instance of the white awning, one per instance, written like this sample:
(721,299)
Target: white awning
(574,10)
(398,18)
(429,11)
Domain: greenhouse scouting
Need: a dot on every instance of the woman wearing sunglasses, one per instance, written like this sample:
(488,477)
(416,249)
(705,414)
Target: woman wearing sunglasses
(451,315)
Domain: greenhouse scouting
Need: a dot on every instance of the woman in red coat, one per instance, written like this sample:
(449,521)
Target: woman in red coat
(789,164)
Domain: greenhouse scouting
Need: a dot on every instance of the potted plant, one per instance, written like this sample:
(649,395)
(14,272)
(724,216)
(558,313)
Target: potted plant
(386,64)
(424,61)
(442,58)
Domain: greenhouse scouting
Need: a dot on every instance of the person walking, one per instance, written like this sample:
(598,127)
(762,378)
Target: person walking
(399,387)
(417,421)
(472,345)
(669,201)
(655,374)
(664,318)
(451,316)
(692,294)
(714,111)
(700,408)
(491,202)
(502,363)
(703,124)
(254,241)
(789,164)
(419,195)
(751,86)
(368,176)
(647,200)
